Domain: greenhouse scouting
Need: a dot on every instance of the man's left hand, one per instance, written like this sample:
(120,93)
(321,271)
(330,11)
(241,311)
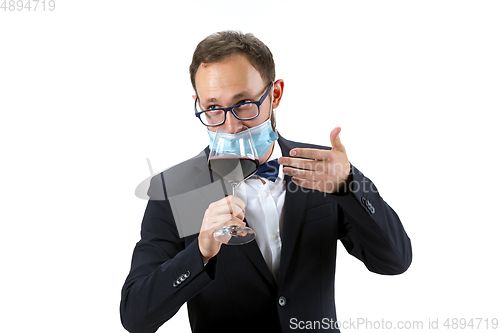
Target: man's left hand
(318,169)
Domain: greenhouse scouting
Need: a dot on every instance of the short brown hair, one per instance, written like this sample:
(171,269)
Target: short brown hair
(221,44)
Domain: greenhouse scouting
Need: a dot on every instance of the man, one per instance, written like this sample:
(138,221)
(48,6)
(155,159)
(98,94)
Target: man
(287,274)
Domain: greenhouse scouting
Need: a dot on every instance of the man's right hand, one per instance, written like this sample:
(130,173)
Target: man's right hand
(227,211)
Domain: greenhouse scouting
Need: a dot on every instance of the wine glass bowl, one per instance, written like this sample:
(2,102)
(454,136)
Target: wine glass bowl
(234,158)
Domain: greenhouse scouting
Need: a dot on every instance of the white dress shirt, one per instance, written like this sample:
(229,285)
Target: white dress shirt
(264,207)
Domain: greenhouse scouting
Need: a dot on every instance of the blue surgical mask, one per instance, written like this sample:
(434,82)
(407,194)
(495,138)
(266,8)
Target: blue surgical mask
(262,135)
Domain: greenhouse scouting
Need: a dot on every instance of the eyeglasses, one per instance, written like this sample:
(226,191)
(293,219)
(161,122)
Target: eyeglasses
(243,111)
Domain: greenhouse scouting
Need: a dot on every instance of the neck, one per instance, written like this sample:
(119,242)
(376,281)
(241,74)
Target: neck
(268,153)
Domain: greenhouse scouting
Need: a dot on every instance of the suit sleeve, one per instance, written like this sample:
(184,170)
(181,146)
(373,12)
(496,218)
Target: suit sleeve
(370,230)
(164,273)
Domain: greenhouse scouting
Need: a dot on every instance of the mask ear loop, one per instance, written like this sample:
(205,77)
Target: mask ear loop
(272,114)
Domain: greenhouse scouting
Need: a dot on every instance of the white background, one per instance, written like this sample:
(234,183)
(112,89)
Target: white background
(92,89)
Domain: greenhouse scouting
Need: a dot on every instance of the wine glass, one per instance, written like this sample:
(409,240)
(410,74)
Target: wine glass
(234,158)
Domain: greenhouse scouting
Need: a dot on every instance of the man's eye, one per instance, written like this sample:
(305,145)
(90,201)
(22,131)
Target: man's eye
(245,107)
(215,113)
(244,101)
(211,107)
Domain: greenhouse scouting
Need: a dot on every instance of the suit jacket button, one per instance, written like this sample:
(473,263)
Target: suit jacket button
(183,277)
(282,301)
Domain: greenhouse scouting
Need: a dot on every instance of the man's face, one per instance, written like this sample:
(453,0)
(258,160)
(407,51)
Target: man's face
(229,82)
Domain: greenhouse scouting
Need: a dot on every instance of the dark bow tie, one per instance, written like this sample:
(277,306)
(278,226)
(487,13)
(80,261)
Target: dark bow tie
(269,170)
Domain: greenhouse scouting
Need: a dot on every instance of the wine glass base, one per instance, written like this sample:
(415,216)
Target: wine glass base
(234,235)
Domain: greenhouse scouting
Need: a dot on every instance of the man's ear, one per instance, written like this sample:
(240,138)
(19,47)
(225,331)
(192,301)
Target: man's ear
(277,92)
(194,97)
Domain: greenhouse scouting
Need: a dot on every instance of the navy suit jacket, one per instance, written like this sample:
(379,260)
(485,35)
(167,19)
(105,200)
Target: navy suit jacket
(235,291)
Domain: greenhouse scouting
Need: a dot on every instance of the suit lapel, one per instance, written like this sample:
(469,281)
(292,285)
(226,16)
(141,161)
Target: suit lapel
(295,201)
(253,252)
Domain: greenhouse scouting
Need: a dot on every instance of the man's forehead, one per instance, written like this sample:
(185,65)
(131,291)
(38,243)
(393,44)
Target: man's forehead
(233,76)
(228,89)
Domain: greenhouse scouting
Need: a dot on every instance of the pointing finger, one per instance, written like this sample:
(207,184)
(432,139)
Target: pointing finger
(310,153)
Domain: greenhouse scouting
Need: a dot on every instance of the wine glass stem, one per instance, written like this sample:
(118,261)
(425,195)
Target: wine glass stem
(233,185)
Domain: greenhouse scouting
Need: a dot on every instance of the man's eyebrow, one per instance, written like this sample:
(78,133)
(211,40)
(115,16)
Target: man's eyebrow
(211,100)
